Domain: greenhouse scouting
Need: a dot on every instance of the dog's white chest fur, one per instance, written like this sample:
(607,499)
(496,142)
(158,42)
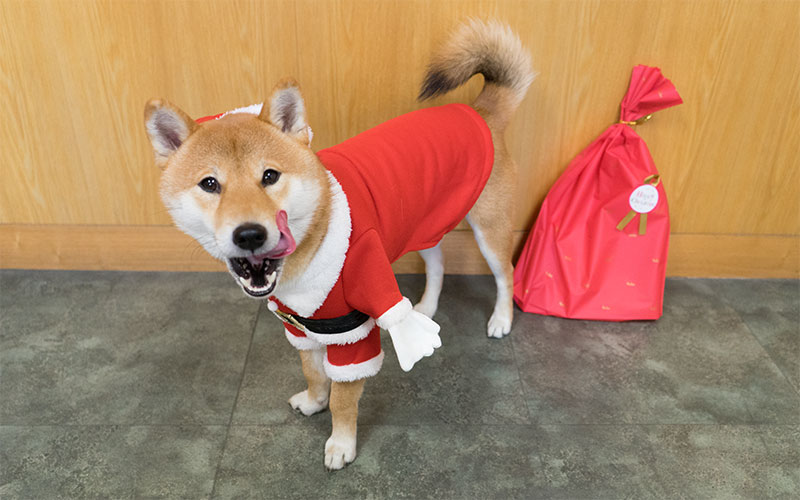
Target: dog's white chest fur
(307,292)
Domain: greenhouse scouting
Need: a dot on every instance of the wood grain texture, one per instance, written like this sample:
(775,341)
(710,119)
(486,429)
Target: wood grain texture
(163,248)
(75,76)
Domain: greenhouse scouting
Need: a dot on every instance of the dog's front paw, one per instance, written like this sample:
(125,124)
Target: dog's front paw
(499,325)
(339,452)
(307,406)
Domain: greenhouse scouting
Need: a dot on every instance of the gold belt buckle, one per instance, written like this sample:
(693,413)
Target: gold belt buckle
(288,318)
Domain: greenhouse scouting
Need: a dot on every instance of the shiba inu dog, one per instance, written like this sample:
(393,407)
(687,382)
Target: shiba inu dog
(315,233)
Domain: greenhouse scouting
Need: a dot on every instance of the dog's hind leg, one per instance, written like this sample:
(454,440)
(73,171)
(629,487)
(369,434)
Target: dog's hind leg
(340,449)
(491,221)
(315,398)
(497,252)
(434,275)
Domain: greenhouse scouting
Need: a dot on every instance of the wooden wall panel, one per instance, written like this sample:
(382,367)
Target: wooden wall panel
(75,76)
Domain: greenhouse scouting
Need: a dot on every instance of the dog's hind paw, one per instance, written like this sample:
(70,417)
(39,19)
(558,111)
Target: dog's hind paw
(499,325)
(307,406)
(339,452)
(426,308)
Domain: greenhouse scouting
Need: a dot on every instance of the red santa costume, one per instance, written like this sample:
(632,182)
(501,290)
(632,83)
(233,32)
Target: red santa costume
(397,188)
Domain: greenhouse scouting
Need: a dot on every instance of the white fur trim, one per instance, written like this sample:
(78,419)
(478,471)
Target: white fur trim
(395,314)
(302,343)
(348,337)
(349,373)
(306,293)
(253,109)
(320,339)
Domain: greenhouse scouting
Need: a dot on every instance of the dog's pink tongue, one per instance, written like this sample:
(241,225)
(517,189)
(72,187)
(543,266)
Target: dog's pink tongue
(286,244)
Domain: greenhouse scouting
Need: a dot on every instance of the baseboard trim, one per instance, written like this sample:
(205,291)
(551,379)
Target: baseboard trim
(163,248)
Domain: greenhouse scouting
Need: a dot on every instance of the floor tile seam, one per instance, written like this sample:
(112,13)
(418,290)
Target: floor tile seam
(235,403)
(763,348)
(532,425)
(525,401)
(747,408)
(204,426)
(732,307)
(762,439)
(414,424)
(652,451)
(674,424)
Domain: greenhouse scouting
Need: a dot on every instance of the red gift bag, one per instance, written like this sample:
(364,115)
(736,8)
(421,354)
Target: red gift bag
(598,249)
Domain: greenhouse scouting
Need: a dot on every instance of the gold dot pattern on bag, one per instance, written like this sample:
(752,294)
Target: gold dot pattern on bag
(656,261)
(632,235)
(605,308)
(630,283)
(549,275)
(560,303)
(567,258)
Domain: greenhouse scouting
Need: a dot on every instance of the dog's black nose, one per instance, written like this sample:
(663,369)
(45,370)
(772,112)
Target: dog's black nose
(249,236)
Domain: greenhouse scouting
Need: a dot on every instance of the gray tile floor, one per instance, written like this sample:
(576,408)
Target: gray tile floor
(134,385)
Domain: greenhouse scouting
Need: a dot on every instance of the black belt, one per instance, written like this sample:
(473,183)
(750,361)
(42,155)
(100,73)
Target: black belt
(349,321)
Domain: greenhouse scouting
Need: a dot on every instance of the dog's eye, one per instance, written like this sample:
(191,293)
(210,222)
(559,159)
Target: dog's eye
(209,185)
(270,177)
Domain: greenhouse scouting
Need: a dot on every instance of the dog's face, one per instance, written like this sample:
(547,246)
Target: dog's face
(248,188)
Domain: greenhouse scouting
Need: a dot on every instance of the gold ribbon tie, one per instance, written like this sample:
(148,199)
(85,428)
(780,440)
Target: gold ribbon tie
(637,122)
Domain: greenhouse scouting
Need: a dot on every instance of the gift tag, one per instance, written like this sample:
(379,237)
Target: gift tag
(644,198)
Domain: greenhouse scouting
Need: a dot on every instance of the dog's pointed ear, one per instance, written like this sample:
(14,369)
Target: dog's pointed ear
(287,111)
(168,127)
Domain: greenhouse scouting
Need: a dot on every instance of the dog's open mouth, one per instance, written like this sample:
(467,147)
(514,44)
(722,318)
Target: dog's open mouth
(257,274)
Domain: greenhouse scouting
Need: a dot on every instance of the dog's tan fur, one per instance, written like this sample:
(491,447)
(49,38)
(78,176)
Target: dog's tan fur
(238,148)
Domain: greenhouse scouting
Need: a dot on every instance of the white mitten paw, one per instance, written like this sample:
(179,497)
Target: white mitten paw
(414,338)
(413,334)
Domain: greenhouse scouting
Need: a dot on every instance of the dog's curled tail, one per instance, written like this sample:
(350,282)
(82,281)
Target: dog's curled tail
(489,48)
